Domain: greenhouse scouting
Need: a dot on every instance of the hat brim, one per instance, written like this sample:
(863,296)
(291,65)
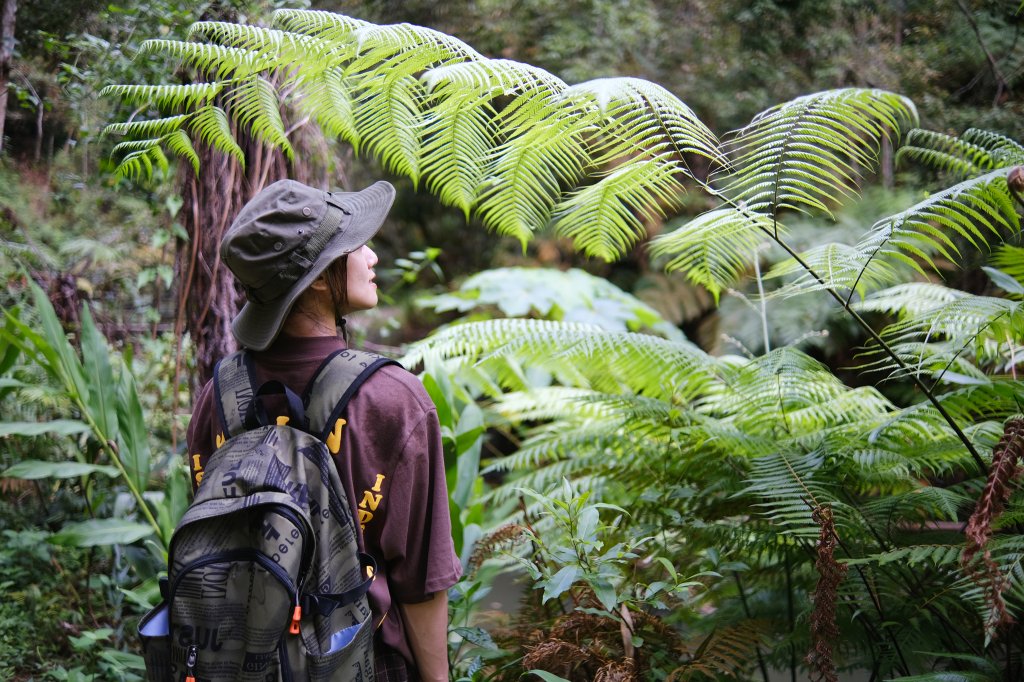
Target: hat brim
(258,324)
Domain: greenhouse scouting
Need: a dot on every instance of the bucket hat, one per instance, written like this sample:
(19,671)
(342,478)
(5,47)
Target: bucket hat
(285,238)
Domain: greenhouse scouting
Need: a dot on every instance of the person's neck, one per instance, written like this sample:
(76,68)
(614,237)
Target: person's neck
(306,322)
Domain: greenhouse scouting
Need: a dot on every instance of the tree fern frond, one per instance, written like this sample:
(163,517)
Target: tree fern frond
(1010,259)
(910,299)
(254,104)
(218,61)
(1005,150)
(787,484)
(327,26)
(139,164)
(808,154)
(945,556)
(165,96)
(922,503)
(156,127)
(715,248)
(615,362)
(407,48)
(459,132)
(526,174)
(967,209)
(327,96)
(493,78)
(835,266)
(389,122)
(211,126)
(946,153)
(284,47)
(179,143)
(645,118)
(605,219)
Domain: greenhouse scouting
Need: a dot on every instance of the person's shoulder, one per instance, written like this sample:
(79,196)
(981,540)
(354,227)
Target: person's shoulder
(395,383)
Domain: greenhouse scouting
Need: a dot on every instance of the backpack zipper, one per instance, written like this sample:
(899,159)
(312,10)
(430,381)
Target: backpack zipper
(190,663)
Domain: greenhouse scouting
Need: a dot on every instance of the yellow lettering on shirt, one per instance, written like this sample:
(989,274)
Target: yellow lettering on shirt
(334,437)
(370,500)
(283,420)
(220,440)
(197,468)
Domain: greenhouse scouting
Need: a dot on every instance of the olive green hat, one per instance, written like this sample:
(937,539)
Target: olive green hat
(284,238)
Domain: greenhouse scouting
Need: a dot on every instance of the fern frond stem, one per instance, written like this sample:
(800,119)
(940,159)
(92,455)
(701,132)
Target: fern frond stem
(1013,356)
(746,610)
(853,287)
(791,616)
(764,302)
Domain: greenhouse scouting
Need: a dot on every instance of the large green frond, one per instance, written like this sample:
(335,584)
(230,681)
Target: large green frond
(834,266)
(808,154)
(211,126)
(166,96)
(389,122)
(327,26)
(328,98)
(975,152)
(606,219)
(645,118)
(156,127)
(139,163)
(968,210)
(407,48)
(791,490)
(461,128)
(254,104)
(284,48)
(179,143)
(527,174)
(216,61)
(714,249)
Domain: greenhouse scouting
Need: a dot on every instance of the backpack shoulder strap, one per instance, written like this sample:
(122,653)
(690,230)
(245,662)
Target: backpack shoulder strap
(233,383)
(332,386)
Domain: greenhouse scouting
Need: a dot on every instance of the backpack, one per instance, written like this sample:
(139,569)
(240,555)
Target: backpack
(265,579)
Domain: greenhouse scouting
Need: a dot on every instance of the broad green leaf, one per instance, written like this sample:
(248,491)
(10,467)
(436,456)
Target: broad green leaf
(605,594)
(53,344)
(133,440)
(101,532)
(468,444)
(102,397)
(560,582)
(60,427)
(31,470)
(546,676)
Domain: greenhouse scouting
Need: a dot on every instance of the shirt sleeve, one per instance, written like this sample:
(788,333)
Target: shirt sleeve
(199,437)
(416,539)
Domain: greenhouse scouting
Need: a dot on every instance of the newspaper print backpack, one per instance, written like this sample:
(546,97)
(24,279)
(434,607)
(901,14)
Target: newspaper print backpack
(265,579)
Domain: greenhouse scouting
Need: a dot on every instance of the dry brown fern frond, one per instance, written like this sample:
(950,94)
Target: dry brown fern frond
(1006,455)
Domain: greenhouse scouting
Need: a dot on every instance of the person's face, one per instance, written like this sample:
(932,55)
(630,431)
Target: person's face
(362,290)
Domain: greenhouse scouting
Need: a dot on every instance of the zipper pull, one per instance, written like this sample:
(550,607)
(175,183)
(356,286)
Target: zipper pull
(190,663)
(296,617)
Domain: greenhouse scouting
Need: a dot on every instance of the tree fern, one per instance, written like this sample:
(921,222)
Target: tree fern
(808,153)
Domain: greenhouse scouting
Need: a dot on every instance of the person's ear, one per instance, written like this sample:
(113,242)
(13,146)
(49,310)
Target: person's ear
(319,284)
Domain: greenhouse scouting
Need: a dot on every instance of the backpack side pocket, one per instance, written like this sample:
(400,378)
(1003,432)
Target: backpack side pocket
(155,633)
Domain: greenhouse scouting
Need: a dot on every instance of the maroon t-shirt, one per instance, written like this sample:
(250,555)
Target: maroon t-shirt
(391,464)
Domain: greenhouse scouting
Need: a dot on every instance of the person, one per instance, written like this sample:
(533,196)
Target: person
(301,256)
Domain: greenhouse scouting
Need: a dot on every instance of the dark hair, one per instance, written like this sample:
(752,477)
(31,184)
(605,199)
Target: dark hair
(336,276)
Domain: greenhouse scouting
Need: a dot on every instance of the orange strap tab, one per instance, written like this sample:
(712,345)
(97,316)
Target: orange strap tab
(296,617)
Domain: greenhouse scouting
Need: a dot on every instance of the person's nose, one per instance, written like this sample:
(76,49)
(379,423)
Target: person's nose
(371,256)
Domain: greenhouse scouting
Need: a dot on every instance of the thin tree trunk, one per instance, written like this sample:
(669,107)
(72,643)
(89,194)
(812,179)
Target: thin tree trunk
(6,55)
